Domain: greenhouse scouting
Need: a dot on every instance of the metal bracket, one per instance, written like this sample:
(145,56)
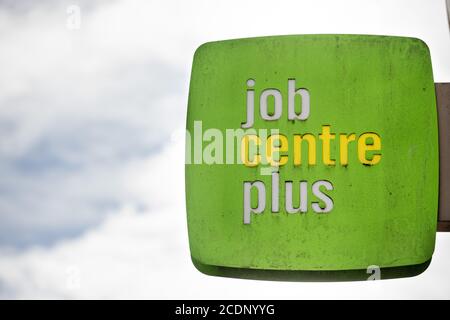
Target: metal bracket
(443,106)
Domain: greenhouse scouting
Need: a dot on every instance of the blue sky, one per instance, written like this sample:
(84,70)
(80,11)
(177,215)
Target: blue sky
(91,158)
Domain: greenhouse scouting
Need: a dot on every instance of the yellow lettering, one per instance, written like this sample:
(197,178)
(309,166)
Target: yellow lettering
(343,147)
(298,149)
(245,150)
(326,137)
(271,148)
(363,147)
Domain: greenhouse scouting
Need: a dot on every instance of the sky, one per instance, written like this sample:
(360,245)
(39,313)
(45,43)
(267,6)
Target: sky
(92,119)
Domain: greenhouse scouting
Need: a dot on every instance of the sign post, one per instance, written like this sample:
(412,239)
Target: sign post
(313,155)
(443,103)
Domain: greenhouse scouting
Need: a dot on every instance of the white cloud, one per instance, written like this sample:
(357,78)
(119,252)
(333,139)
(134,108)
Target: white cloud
(77,108)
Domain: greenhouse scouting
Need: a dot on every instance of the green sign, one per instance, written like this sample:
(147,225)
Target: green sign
(312,153)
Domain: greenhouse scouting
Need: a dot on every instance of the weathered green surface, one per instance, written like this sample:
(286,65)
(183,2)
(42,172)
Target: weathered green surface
(383,215)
